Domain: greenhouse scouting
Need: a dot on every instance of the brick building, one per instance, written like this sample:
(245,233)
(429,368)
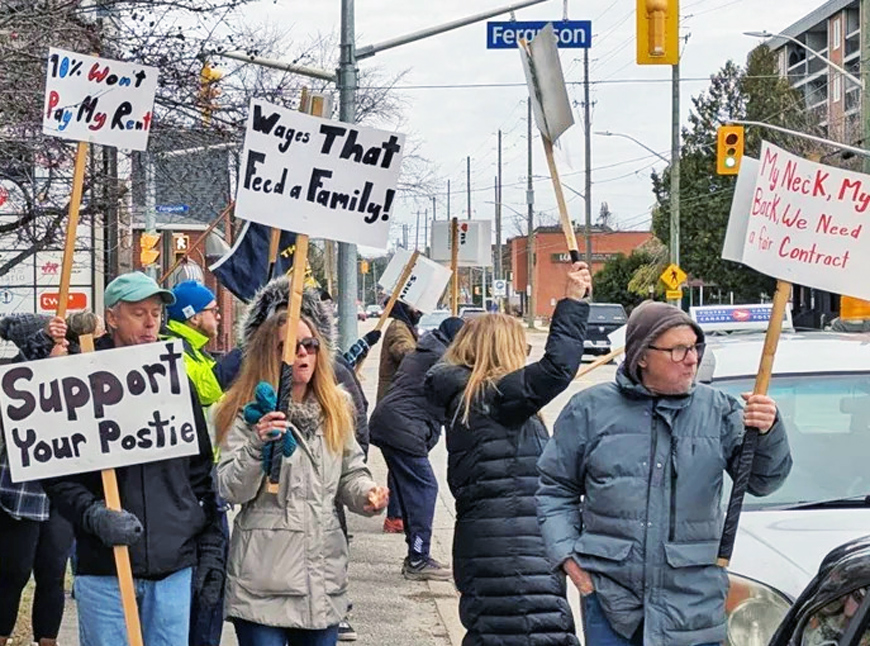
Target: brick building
(552,260)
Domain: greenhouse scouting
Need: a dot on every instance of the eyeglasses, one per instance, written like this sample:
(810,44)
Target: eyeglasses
(309,343)
(213,310)
(680,352)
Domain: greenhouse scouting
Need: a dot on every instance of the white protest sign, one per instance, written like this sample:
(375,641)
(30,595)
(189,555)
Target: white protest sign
(98,100)
(741,205)
(97,410)
(546,83)
(425,284)
(806,224)
(323,178)
(475,242)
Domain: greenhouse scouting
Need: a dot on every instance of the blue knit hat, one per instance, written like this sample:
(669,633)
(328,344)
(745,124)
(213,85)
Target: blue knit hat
(191,297)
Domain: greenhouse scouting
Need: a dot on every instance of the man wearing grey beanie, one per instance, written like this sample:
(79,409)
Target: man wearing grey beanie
(631,484)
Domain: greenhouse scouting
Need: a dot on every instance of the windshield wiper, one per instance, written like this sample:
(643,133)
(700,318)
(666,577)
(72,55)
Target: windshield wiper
(860,500)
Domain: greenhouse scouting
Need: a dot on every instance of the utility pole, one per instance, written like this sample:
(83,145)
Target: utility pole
(468,185)
(417,232)
(587,119)
(675,170)
(864,65)
(434,217)
(530,243)
(426,232)
(347,82)
(498,252)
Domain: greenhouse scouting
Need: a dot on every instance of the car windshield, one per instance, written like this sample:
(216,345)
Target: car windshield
(827,417)
(607,313)
(432,320)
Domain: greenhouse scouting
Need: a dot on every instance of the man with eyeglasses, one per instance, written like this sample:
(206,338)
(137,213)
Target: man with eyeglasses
(631,487)
(194,318)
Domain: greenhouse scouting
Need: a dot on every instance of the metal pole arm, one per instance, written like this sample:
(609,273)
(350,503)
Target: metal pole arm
(803,135)
(371,50)
(323,75)
(607,133)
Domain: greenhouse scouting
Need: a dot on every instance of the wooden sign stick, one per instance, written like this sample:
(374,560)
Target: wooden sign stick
(285,382)
(197,242)
(274,242)
(565,219)
(600,361)
(454,266)
(750,438)
(110,482)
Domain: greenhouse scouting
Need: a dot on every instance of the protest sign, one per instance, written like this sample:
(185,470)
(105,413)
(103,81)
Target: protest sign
(318,177)
(424,286)
(95,411)
(805,224)
(98,100)
(475,242)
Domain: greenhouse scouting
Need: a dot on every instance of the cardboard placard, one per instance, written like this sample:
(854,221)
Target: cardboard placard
(323,178)
(475,242)
(424,287)
(98,100)
(543,70)
(99,410)
(804,223)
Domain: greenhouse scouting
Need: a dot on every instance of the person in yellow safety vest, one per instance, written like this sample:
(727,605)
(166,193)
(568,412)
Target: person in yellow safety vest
(194,319)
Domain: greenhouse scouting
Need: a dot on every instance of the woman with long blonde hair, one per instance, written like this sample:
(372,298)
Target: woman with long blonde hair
(510,594)
(287,568)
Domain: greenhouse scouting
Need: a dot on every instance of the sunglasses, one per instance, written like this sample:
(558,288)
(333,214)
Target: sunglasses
(309,343)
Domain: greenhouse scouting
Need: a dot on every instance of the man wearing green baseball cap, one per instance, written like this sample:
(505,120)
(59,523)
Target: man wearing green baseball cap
(169,518)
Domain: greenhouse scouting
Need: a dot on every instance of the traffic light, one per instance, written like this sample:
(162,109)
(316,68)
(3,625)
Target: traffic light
(148,252)
(729,149)
(208,91)
(658,32)
(363,266)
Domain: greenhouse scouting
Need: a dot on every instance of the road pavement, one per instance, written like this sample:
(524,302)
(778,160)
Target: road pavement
(387,609)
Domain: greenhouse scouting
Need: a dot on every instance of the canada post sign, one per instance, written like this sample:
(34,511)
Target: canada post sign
(570,34)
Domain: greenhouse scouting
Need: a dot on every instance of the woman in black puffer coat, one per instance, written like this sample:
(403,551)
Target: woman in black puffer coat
(510,594)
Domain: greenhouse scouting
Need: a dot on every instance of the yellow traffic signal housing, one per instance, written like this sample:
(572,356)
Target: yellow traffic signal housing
(208,90)
(658,32)
(729,149)
(363,266)
(148,253)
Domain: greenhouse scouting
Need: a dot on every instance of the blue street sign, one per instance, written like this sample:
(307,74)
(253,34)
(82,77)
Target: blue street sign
(172,208)
(570,34)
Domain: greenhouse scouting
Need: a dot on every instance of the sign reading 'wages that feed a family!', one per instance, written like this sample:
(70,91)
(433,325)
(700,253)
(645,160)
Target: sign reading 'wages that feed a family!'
(805,223)
(98,100)
(97,410)
(323,178)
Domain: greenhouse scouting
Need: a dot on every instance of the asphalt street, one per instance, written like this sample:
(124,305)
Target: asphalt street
(387,609)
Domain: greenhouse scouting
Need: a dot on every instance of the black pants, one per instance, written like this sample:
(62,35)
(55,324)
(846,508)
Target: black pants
(41,548)
(416,490)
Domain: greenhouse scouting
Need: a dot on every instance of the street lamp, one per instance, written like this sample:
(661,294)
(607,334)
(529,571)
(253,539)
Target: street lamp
(607,133)
(841,70)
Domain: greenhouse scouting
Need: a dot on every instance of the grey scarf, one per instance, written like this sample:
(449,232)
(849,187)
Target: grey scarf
(306,416)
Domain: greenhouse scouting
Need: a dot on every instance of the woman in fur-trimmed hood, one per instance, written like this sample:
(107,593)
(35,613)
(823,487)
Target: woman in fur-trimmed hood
(287,569)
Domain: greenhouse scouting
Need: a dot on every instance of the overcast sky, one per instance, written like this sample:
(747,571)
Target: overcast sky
(454,117)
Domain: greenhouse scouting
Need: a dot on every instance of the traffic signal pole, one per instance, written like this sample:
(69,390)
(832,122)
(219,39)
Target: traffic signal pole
(862,70)
(675,171)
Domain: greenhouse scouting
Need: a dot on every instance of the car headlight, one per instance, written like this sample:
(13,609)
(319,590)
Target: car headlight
(754,611)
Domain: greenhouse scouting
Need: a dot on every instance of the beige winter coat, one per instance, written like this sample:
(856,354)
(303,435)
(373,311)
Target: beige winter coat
(288,556)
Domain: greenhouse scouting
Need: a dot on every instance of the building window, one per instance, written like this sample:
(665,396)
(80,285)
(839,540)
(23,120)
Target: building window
(838,88)
(837,37)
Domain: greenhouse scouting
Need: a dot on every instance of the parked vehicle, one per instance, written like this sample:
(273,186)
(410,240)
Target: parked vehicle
(374,311)
(604,318)
(431,321)
(471,312)
(821,383)
(834,608)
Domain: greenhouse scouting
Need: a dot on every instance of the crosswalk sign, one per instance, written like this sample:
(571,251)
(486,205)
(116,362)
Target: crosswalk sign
(673,276)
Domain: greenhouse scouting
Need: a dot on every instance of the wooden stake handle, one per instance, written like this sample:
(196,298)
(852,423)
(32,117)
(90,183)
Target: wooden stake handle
(72,224)
(122,554)
(197,242)
(397,290)
(600,361)
(454,266)
(565,219)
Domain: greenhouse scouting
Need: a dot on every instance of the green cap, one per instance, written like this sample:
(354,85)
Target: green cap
(135,287)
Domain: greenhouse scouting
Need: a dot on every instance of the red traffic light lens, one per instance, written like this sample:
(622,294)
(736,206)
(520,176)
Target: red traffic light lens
(731,139)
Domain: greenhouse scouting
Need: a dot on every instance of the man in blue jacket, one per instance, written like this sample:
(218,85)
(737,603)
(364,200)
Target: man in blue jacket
(647,454)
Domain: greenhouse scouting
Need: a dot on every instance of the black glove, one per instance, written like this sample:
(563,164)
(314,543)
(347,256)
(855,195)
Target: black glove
(372,337)
(208,583)
(110,526)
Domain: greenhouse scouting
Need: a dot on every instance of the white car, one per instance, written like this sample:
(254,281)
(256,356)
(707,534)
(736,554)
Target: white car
(821,384)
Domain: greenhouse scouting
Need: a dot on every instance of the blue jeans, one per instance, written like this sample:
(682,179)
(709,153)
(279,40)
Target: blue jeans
(598,630)
(415,488)
(164,610)
(251,634)
(393,508)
